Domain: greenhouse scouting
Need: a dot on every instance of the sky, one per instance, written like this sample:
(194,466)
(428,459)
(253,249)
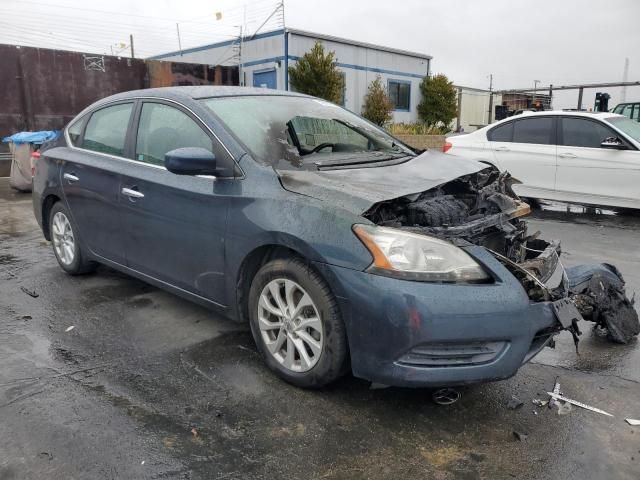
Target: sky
(557,42)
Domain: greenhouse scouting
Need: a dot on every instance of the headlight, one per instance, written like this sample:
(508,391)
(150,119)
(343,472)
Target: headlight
(401,254)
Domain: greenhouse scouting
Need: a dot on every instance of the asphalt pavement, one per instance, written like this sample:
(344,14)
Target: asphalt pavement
(105,377)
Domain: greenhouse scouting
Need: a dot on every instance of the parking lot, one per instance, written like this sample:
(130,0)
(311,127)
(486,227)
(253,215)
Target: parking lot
(106,377)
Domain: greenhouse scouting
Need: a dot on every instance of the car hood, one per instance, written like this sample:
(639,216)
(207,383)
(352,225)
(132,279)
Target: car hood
(357,189)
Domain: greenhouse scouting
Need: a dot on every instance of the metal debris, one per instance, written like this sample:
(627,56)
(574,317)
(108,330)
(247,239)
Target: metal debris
(556,391)
(446,396)
(633,422)
(578,404)
(514,403)
(68,329)
(539,403)
(31,293)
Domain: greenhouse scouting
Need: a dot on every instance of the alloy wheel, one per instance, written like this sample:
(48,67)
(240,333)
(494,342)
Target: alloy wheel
(63,239)
(290,325)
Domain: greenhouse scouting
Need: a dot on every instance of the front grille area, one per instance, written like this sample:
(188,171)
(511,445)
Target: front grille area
(453,354)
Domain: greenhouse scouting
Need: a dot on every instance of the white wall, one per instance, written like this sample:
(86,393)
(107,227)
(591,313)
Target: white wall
(360,64)
(267,48)
(474,109)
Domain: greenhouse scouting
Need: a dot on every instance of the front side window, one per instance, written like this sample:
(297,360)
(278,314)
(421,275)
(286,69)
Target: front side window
(533,130)
(628,126)
(399,93)
(501,133)
(578,132)
(107,129)
(164,128)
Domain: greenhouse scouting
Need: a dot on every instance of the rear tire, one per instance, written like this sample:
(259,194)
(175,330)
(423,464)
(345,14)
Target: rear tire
(66,243)
(296,324)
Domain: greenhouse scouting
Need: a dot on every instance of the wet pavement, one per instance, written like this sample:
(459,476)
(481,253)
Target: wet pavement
(146,385)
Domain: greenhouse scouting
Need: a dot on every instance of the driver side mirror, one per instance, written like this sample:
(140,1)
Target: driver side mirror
(190,161)
(613,143)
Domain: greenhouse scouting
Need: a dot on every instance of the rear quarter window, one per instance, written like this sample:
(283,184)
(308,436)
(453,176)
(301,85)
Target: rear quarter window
(74,131)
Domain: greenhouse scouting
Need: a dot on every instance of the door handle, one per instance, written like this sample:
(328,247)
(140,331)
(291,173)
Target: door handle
(70,177)
(502,149)
(567,155)
(129,192)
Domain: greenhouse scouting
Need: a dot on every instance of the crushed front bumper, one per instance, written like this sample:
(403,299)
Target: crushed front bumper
(419,334)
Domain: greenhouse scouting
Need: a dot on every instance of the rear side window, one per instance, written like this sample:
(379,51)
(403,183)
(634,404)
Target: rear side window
(577,132)
(162,129)
(502,133)
(533,130)
(107,129)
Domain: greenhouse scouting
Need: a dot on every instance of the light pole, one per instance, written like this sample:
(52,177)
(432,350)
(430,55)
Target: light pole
(535,90)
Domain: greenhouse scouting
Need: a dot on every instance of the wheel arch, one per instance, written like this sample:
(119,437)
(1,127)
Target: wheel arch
(47,204)
(250,265)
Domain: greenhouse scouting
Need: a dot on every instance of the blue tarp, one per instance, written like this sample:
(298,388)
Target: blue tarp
(32,137)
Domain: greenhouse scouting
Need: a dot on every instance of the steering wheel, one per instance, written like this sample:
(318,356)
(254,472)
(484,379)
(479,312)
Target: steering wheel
(321,146)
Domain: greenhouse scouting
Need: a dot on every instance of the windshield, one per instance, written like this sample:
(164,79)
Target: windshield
(627,126)
(303,132)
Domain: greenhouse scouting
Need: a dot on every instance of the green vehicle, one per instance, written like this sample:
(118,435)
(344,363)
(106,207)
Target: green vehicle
(630,109)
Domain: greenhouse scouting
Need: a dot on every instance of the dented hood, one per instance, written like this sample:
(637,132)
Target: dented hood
(358,189)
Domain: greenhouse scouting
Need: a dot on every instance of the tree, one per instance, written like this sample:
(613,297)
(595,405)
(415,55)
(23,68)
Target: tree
(316,74)
(377,106)
(439,104)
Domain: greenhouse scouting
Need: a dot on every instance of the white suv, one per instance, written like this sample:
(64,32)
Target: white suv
(587,158)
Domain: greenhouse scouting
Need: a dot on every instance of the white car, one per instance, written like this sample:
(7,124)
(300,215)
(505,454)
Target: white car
(577,157)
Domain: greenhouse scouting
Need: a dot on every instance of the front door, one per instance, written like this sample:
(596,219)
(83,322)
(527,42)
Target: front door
(175,224)
(592,174)
(90,179)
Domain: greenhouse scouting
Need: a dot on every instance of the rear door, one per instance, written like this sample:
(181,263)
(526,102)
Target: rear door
(592,174)
(90,179)
(175,223)
(526,148)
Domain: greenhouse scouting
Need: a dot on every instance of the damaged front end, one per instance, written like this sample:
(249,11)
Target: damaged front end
(482,209)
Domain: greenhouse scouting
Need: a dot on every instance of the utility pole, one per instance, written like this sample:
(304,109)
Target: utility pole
(490,97)
(535,90)
(625,77)
(240,72)
(179,42)
(131,45)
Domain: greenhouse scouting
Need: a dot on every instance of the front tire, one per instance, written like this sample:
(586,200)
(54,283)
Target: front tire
(65,243)
(296,324)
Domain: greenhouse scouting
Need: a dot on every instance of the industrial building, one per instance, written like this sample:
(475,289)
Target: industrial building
(264,59)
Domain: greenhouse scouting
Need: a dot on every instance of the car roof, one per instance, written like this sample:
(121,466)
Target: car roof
(566,113)
(200,91)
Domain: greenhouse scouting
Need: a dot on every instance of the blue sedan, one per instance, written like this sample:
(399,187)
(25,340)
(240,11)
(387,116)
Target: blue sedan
(344,249)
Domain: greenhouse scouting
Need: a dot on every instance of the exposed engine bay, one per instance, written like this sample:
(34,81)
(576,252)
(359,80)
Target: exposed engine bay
(482,209)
